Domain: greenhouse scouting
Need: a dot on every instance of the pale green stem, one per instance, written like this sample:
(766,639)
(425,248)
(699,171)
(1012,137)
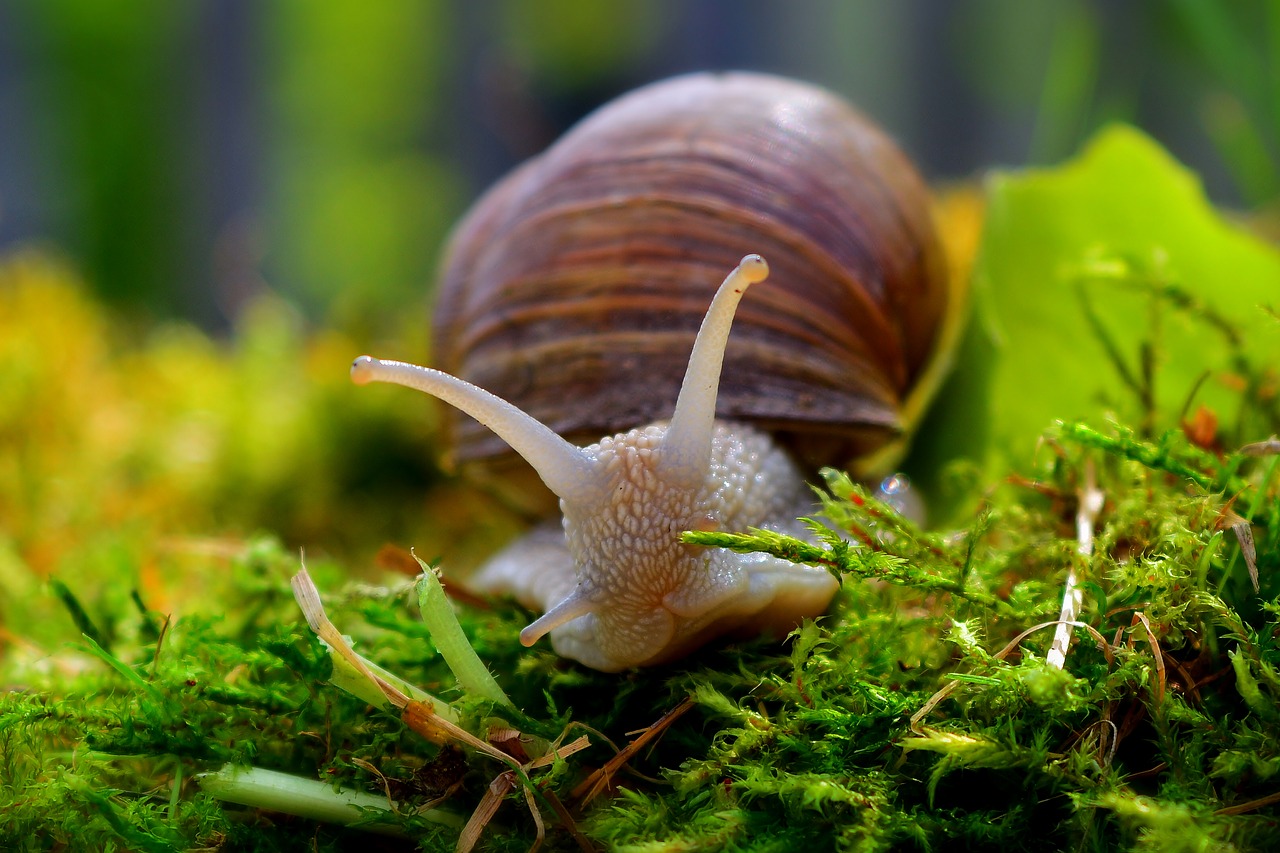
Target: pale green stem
(309,798)
(472,675)
(346,677)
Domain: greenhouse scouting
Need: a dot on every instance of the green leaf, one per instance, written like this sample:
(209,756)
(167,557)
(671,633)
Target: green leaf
(1108,284)
(437,612)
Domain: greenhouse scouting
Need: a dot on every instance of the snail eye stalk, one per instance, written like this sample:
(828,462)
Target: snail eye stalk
(686,447)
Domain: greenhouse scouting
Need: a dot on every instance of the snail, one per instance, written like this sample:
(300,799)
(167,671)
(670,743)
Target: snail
(574,289)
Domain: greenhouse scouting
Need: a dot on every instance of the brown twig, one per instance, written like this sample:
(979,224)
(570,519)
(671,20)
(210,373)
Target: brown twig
(1161,677)
(598,781)
(1252,805)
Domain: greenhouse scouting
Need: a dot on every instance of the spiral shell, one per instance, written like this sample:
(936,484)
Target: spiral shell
(575,286)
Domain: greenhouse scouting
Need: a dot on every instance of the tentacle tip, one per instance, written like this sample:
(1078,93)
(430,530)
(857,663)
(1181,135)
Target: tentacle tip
(362,369)
(530,635)
(754,268)
(573,606)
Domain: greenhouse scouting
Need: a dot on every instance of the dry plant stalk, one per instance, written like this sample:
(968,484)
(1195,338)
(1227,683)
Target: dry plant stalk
(602,778)
(1090,504)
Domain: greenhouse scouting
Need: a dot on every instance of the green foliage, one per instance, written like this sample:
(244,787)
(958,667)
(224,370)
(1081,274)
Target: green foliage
(1239,44)
(894,546)
(115,122)
(442,625)
(1143,694)
(357,203)
(576,44)
(115,440)
(110,759)
(1110,284)
(919,714)
(923,712)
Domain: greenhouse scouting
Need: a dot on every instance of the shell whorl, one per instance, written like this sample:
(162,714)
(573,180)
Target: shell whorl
(583,275)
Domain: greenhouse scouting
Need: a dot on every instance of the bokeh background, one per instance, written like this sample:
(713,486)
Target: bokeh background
(207,207)
(189,154)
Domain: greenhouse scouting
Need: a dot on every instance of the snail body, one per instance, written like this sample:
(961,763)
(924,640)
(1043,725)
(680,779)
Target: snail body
(574,288)
(620,589)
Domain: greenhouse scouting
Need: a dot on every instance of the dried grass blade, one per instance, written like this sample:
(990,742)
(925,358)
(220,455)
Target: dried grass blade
(1090,504)
(590,787)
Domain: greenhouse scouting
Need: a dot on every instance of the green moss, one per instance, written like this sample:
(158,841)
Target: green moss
(919,714)
(147,639)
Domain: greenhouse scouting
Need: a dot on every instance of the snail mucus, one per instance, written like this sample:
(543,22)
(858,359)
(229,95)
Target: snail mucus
(576,290)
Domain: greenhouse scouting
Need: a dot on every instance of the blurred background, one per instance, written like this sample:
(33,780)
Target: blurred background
(207,207)
(186,155)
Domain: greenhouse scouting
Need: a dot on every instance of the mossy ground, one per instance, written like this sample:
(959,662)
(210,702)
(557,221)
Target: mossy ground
(149,635)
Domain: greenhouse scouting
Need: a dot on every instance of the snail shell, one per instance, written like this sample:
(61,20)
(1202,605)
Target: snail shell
(575,302)
(575,286)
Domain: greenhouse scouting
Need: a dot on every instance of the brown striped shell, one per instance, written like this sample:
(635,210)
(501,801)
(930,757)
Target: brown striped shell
(575,286)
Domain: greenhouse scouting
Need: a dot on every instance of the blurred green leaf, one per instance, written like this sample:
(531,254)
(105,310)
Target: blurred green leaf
(109,83)
(1071,79)
(1237,45)
(1243,148)
(1109,284)
(571,42)
(361,194)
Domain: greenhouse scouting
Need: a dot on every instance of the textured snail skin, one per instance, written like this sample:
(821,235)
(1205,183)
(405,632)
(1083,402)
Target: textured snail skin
(619,589)
(654,598)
